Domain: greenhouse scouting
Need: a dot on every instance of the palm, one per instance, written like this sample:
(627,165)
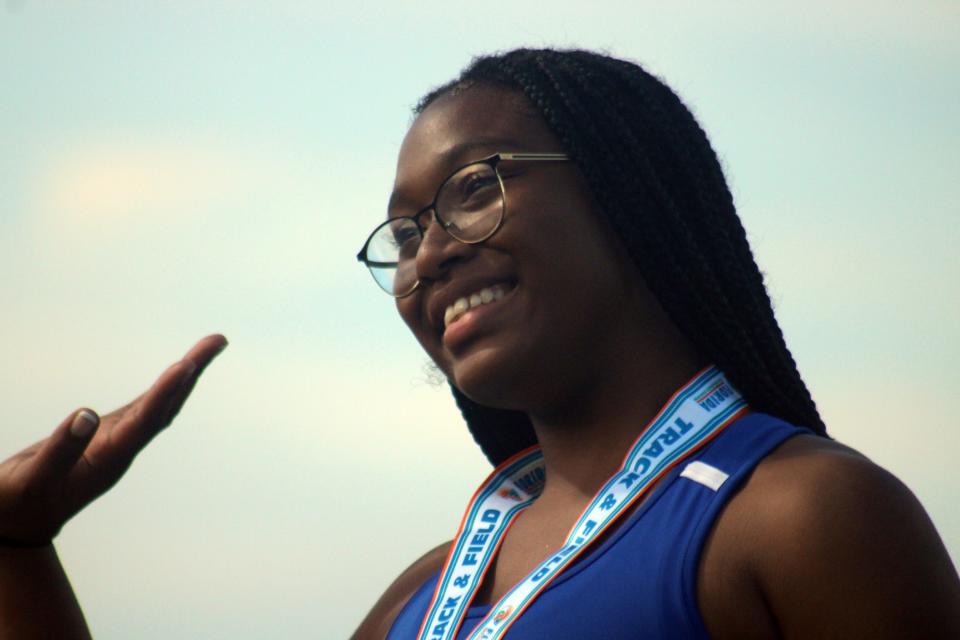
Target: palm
(46,483)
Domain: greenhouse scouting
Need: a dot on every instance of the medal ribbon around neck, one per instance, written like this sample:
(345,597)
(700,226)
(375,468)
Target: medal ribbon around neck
(696,413)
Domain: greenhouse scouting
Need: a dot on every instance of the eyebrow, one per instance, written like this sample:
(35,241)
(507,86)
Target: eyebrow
(455,157)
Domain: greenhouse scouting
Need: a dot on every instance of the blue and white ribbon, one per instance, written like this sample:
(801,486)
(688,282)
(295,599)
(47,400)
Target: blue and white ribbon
(696,413)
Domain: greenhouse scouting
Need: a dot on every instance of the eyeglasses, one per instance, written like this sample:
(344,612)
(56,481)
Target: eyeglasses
(469,205)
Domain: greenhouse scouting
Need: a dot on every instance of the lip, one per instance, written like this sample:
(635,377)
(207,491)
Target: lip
(464,328)
(442,298)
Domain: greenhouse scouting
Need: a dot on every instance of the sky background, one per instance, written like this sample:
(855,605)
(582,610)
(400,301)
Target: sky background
(169,170)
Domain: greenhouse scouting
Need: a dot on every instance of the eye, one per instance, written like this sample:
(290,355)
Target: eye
(478,181)
(472,189)
(403,234)
(474,185)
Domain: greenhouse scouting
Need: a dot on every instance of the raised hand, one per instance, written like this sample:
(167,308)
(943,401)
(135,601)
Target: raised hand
(47,483)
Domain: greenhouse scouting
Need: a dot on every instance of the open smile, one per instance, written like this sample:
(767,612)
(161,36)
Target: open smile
(484,296)
(463,316)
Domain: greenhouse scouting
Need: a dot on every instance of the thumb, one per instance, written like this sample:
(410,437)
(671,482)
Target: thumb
(64,447)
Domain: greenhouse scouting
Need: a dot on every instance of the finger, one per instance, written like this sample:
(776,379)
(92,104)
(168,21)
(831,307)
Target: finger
(200,354)
(138,422)
(177,400)
(63,448)
(203,359)
(206,350)
(141,423)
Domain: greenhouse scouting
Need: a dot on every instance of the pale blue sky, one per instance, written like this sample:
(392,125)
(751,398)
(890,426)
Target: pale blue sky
(173,169)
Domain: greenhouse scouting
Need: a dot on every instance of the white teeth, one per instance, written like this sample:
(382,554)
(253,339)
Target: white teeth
(460,307)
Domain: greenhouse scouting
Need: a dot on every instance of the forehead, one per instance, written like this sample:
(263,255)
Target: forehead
(458,128)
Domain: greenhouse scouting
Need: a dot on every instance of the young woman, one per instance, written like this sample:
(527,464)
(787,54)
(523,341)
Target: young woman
(562,243)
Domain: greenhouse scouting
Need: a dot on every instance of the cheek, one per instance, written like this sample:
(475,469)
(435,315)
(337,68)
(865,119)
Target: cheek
(567,245)
(577,267)
(409,310)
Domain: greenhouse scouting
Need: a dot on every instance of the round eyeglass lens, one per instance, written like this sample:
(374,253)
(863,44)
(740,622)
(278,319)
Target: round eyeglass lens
(391,255)
(470,203)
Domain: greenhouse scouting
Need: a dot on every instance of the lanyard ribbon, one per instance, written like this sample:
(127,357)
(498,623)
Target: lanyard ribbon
(697,412)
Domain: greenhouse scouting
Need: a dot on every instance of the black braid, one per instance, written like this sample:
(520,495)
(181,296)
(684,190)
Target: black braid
(656,176)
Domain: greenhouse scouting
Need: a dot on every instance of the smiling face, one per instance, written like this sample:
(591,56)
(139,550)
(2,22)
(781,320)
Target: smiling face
(549,296)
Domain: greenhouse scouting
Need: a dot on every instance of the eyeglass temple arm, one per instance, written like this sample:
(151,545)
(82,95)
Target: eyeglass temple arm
(535,156)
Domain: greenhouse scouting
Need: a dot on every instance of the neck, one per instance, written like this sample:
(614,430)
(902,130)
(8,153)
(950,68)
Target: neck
(584,440)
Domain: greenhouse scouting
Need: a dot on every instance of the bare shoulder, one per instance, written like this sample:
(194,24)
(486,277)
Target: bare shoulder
(837,546)
(816,490)
(378,622)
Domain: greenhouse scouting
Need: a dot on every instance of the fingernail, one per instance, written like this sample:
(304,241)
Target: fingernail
(223,346)
(84,423)
(189,369)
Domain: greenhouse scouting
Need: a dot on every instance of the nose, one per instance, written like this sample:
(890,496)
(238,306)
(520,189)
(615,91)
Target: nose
(438,250)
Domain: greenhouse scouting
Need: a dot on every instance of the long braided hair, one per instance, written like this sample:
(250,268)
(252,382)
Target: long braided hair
(658,180)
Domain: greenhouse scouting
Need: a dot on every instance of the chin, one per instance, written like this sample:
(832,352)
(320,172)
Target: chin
(490,379)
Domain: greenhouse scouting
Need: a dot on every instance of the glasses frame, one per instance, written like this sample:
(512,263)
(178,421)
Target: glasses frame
(493,162)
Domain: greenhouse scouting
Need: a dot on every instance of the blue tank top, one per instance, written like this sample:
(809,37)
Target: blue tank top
(641,580)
